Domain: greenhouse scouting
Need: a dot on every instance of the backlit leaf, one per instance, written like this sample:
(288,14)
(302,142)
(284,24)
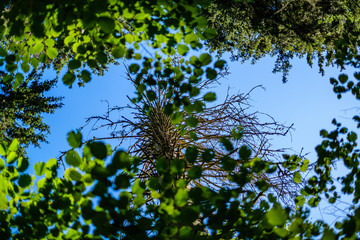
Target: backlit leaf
(182,49)
(276,216)
(73,159)
(74,139)
(118,52)
(40,168)
(51,52)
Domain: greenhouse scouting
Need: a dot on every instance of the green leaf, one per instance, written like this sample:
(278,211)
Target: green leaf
(14,145)
(244,152)
(85,76)
(181,197)
(24,180)
(304,165)
(297,177)
(134,68)
(118,52)
(74,175)
(129,38)
(38,48)
(2,164)
(151,95)
(40,168)
(162,165)
(343,78)
(352,136)
(210,33)
(176,118)
(177,166)
(205,59)
(51,52)
(121,160)
(138,187)
(34,62)
(25,67)
(52,163)
(208,155)
(68,79)
(220,64)
(182,49)
(73,234)
(185,233)
(237,132)
(329,235)
(195,172)
(74,139)
(122,181)
(300,200)
(2,150)
(226,143)
(277,216)
(49,42)
(3,201)
(106,24)
(69,39)
(98,150)
(191,154)
(73,159)
(11,158)
(190,37)
(228,164)
(210,97)
(192,121)
(22,164)
(74,64)
(211,73)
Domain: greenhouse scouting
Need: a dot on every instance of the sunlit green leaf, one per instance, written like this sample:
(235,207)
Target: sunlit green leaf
(11,158)
(182,49)
(38,48)
(181,197)
(51,52)
(40,168)
(14,145)
(297,177)
(277,216)
(118,52)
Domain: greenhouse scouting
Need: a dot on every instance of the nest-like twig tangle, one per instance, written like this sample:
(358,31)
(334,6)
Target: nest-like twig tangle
(152,135)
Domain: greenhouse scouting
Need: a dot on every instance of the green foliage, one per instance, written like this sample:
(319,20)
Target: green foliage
(285,29)
(22,109)
(100,196)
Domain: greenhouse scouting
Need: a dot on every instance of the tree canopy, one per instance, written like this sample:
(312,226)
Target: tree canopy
(102,194)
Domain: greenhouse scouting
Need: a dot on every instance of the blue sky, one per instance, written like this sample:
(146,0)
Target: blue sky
(306,100)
